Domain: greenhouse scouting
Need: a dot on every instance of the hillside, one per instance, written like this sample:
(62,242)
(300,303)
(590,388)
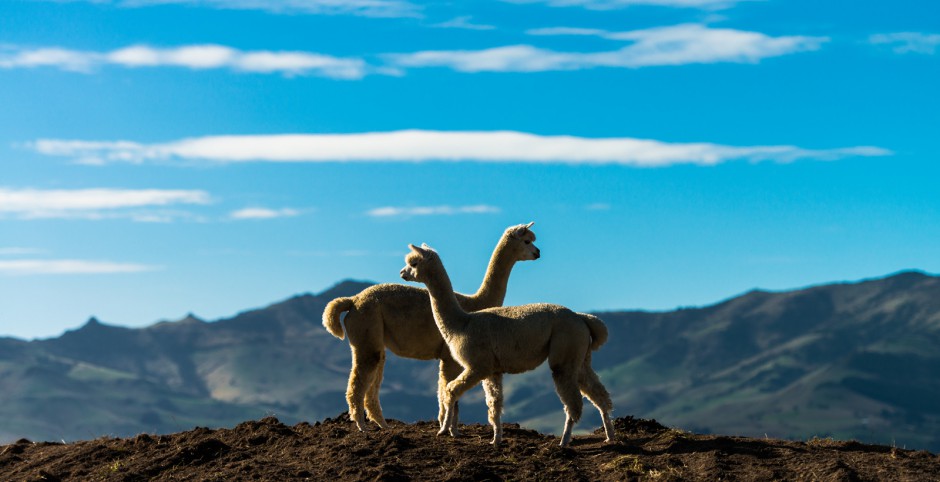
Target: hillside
(102,379)
(333,450)
(853,361)
(848,360)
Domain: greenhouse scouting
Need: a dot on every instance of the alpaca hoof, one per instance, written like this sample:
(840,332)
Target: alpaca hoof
(442,431)
(454,432)
(363,426)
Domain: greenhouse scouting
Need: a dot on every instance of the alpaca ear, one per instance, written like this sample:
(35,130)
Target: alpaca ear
(519,230)
(423,250)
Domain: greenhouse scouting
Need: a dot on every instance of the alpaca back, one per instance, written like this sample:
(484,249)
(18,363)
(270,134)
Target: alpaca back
(515,339)
(400,315)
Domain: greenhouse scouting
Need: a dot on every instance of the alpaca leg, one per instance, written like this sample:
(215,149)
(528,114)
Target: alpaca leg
(373,407)
(441,386)
(566,384)
(365,364)
(452,393)
(493,388)
(450,370)
(595,391)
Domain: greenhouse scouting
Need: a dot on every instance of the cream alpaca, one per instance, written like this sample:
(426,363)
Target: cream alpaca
(512,339)
(398,317)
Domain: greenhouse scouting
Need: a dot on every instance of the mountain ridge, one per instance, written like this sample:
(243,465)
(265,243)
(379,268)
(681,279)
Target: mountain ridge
(822,360)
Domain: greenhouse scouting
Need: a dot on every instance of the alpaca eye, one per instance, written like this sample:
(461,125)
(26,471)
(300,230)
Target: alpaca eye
(528,242)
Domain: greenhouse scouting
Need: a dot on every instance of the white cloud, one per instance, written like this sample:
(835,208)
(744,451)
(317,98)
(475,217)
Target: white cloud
(447,146)
(365,8)
(464,22)
(908,42)
(95,203)
(196,57)
(615,4)
(263,213)
(672,45)
(21,267)
(514,58)
(65,59)
(567,31)
(191,56)
(394,211)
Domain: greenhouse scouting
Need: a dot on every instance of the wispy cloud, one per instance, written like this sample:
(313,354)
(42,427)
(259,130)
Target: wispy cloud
(661,46)
(22,267)
(447,146)
(95,203)
(615,4)
(196,57)
(672,45)
(464,22)
(366,8)
(400,211)
(263,213)
(908,42)
(12,57)
(547,31)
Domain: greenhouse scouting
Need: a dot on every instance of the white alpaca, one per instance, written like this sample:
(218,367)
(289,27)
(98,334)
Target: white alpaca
(513,339)
(398,317)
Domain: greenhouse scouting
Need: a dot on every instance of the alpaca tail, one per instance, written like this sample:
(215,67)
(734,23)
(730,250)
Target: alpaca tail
(331,316)
(598,330)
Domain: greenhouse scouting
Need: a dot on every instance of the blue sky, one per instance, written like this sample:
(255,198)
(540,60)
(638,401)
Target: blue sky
(160,157)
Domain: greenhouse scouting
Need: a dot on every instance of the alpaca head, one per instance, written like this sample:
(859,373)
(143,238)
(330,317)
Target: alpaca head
(519,242)
(420,263)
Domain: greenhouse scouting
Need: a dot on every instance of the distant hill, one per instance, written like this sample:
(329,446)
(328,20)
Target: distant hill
(849,360)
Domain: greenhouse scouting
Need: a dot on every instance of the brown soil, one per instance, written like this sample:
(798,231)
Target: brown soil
(334,450)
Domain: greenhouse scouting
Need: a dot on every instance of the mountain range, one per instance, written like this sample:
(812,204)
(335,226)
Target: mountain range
(847,360)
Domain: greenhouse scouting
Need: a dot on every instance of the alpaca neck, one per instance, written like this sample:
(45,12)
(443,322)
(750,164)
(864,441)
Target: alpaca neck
(448,314)
(493,290)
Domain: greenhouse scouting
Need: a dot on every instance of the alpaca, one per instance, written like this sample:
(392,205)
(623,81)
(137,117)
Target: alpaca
(512,339)
(398,317)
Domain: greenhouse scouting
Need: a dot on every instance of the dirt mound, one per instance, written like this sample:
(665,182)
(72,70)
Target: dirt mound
(333,450)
